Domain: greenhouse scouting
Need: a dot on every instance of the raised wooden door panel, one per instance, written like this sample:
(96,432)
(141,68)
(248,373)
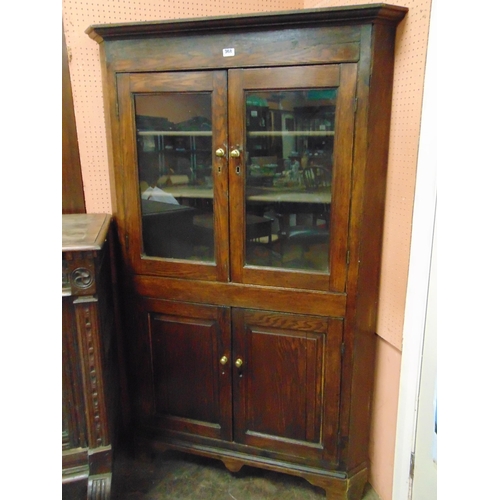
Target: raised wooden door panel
(73,412)
(191,383)
(286,387)
(175,201)
(291,144)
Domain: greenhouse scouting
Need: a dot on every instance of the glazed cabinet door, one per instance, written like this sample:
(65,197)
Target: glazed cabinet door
(190,386)
(286,372)
(290,161)
(173,129)
(241,175)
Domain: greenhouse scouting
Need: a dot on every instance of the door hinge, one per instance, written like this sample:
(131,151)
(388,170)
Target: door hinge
(355,105)
(342,349)
(348,257)
(412,465)
(126,242)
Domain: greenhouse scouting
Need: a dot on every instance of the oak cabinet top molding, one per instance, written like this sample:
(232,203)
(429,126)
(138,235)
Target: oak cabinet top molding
(359,14)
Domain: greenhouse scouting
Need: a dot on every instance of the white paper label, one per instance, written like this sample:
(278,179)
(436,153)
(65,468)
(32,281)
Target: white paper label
(228,52)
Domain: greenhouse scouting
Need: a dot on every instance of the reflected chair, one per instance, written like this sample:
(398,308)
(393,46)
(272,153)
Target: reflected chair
(258,230)
(302,235)
(316,177)
(307,235)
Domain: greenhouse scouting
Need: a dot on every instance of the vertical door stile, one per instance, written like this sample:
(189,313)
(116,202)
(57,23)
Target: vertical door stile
(238,351)
(128,163)
(344,144)
(332,388)
(225,370)
(236,117)
(221,186)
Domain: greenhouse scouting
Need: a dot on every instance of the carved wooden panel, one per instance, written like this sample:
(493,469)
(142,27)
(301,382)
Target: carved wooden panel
(89,337)
(73,420)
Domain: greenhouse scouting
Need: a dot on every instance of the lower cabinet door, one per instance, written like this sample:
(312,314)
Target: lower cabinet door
(190,376)
(267,382)
(286,383)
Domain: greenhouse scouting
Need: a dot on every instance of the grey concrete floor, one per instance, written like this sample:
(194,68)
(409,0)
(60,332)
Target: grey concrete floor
(179,476)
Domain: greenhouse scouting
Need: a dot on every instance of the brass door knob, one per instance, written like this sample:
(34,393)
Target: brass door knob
(220,153)
(238,363)
(223,360)
(235,153)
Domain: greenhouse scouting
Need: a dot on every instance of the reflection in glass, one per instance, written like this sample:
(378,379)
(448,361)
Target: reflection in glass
(289,165)
(174,150)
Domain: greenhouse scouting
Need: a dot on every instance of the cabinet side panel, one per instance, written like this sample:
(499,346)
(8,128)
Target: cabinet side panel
(72,404)
(372,188)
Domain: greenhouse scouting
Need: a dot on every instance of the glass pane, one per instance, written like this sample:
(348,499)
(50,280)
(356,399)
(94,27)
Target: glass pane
(289,165)
(174,145)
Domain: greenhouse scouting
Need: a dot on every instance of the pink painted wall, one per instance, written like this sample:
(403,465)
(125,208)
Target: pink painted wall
(411,50)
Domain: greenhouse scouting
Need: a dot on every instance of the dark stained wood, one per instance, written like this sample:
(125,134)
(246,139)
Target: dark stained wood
(72,403)
(90,367)
(221,183)
(236,115)
(297,77)
(73,197)
(290,47)
(216,84)
(238,295)
(269,412)
(91,349)
(192,389)
(337,16)
(369,180)
(342,172)
(300,400)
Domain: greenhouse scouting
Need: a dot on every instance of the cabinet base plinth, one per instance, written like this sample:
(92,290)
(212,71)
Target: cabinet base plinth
(351,488)
(338,485)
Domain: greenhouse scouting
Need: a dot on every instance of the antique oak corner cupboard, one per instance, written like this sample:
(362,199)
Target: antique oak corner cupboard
(249,158)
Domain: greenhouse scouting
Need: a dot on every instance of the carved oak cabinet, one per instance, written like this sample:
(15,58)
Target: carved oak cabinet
(89,377)
(249,158)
